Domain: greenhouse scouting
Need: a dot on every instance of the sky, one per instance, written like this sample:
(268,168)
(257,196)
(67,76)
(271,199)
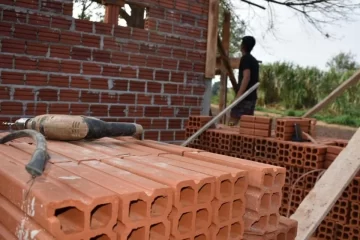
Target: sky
(295,40)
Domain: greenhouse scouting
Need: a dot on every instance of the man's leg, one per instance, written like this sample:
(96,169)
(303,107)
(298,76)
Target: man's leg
(244,108)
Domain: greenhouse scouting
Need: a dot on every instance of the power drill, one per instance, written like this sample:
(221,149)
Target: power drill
(72,128)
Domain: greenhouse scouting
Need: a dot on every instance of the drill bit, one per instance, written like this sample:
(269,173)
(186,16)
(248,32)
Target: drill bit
(7,123)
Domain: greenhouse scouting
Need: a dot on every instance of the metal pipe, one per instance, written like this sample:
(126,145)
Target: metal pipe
(217,117)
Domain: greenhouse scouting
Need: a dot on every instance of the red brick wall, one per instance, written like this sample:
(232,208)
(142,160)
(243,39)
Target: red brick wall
(52,63)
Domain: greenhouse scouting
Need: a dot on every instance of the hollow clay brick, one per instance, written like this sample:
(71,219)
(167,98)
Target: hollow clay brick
(206,183)
(99,205)
(74,152)
(18,223)
(25,147)
(291,225)
(273,222)
(247,131)
(137,203)
(230,182)
(262,133)
(184,188)
(260,175)
(257,200)
(330,157)
(247,118)
(154,230)
(109,149)
(249,125)
(57,209)
(187,224)
(263,120)
(262,126)
(275,203)
(255,223)
(5,234)
(169,148)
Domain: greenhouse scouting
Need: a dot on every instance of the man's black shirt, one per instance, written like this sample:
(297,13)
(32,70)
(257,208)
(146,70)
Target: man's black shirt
(247,61)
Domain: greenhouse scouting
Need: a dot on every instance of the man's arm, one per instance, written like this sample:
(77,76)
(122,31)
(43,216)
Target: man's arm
(244,83)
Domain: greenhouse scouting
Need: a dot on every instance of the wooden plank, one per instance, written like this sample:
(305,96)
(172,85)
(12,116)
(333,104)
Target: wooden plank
(318,203)
(213,19)
(354,79)
(225,59)
(234,63)
(223,79)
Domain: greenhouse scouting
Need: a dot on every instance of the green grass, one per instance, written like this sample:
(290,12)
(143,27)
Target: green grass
(350,119)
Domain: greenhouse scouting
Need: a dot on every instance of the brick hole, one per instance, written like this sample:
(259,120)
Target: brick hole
(204,193)
(223,233)
(71,219)
(101,237)
(225,188)
(100,216)
(224,212)
(157,231)
(236,230)
(276,199)
(268,180)
(137,210)
(273,220)
(187,196)
(265,201)
(260,224)
(201,219)
(138,233)
(237,208)
(158,206)
(200,237)
(281,236)
(185,222)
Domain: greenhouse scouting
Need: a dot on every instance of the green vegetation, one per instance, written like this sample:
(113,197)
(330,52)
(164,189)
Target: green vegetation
(290,90)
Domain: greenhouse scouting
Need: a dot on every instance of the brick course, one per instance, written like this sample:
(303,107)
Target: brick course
(52,63)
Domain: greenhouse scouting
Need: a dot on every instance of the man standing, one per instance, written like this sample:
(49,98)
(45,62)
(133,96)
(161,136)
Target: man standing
(248,77)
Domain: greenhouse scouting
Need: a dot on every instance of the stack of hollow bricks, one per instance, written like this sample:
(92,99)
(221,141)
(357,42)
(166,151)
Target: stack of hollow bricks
(52,63)
(129,189)
(343,222)
(264,194)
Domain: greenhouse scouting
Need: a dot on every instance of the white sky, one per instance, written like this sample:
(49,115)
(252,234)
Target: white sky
(295,40)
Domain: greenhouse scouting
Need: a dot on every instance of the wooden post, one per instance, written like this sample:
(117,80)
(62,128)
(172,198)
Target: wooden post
(225,59)
(213,19)
(318,203)
(112,9)
(354,79)
(223,79)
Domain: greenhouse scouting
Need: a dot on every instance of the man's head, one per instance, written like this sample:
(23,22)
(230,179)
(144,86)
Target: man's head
(247,44)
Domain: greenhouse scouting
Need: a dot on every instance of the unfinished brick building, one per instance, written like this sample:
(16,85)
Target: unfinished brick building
(53,63)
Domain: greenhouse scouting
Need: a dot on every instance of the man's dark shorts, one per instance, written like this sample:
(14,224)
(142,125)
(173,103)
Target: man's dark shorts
(243,108)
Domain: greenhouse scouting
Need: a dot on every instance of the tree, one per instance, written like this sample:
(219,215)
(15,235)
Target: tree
(343,62)
(319,13)
(237,30)
(215,88)
(87,8)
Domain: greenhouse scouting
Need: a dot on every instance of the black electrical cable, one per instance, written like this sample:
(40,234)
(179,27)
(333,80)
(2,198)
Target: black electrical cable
(39,158)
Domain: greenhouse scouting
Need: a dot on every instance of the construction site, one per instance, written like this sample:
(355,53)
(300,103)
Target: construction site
(107,135)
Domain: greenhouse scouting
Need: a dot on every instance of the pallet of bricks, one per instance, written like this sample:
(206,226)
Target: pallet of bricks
(254,140)
(128,189)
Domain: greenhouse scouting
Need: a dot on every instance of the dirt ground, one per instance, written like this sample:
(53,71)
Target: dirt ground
(322,129)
